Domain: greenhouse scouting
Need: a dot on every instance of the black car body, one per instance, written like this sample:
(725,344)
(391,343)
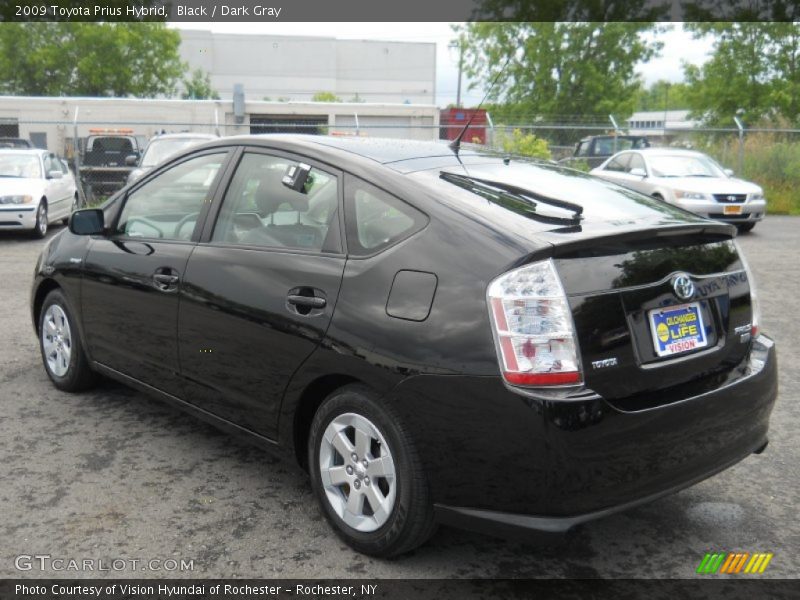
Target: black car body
(400,309)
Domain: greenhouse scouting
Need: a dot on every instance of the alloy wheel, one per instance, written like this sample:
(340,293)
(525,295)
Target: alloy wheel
(56,340)
(357,472)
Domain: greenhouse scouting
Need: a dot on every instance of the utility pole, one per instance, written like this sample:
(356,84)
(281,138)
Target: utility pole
(460,45)
(740,125)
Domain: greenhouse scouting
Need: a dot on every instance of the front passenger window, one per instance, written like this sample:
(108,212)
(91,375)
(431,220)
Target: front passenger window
(167,207)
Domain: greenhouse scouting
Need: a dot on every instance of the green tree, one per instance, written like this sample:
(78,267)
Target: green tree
(325,97)
(558,71)
(739,74)
(663,95)
(89,59)
(198,86)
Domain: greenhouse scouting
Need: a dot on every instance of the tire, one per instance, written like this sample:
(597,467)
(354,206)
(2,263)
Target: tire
(40,227)
(403,518)
(745,227)
(61,346)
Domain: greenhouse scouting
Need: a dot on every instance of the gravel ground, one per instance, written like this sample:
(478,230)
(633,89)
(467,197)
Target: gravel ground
(112,474)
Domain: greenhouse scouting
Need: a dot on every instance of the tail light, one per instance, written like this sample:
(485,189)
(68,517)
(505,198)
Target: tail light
(532,327)
(755,306)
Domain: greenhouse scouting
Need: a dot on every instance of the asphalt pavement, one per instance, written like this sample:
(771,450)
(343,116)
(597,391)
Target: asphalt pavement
(114,475)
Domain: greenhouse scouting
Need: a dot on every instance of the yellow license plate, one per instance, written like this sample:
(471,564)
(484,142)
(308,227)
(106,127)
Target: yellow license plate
(732,210)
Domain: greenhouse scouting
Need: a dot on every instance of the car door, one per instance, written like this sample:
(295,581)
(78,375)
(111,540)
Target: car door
(57,190)
(632,177)
(132,276)
(615,168)
(260,288)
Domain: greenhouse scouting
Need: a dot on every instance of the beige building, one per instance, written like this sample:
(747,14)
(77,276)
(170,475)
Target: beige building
(52,122)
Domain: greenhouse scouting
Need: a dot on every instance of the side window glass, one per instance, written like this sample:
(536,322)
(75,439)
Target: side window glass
(583,149)
(619,163)
(376,219)
(167,206)
(636,162)
(258,210)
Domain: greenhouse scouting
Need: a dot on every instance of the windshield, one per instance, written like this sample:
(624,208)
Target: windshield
(160,150)
(20,165)
(684,166)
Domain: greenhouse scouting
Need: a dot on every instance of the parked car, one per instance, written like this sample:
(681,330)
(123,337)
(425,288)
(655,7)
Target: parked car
(36,188)
(104,163)
(14,142)
(438,337)
(595,149)
(161,147)
(691,180)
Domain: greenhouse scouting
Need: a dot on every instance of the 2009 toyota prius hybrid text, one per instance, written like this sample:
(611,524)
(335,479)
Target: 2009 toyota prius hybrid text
(436,335)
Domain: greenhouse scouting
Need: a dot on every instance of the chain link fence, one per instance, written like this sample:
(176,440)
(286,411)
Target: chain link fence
(103,153)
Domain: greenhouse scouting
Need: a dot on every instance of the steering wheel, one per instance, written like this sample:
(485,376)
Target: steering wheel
(183,222)
(147,222)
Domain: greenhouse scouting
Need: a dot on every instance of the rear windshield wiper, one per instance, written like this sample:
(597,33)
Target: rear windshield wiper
(515,198)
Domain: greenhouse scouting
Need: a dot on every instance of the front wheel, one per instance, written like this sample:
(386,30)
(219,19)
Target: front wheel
(40,227)
(367,475)
(62,347)
(745,227)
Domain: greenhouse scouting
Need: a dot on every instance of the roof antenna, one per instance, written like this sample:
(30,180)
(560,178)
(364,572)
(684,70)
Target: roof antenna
(455,145)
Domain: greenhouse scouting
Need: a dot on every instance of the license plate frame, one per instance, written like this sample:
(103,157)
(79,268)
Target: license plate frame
(678,329)
(732,209)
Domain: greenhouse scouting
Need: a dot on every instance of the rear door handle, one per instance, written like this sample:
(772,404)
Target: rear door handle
(165,279)
(308,301)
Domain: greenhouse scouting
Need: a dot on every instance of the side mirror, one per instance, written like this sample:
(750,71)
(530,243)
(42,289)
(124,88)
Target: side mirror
(638,172)
(87,221)
(728,172)
(54,174)
(131,160)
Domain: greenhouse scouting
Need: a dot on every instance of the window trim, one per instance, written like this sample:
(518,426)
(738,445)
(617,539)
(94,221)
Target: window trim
(216,206)
(213,191)
(351,226)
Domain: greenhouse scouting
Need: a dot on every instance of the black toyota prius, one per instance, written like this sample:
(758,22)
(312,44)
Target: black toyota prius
(437,335)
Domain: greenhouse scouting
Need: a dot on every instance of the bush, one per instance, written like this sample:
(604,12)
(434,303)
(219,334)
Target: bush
(772,161)
(522,144)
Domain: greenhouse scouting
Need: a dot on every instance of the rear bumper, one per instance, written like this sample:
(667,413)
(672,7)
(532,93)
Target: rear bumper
(515,463)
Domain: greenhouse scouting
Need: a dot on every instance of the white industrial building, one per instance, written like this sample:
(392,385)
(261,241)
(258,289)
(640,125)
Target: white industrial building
(52,122)
(660,123)
(297,67)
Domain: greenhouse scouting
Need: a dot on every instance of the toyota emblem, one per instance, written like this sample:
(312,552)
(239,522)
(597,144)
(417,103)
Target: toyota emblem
(683,286)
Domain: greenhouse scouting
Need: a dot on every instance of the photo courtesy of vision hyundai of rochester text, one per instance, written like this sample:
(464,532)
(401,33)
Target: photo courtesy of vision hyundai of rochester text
(438,335)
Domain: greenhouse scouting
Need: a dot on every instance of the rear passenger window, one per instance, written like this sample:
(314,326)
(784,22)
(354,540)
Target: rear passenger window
(258,210)
(376,219)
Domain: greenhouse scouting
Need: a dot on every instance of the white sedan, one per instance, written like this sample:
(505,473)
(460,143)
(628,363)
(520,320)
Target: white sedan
(691,180)
(36,188)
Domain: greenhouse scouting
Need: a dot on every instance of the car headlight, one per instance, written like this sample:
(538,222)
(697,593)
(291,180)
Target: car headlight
(691,195)
(16,199)
(756,196)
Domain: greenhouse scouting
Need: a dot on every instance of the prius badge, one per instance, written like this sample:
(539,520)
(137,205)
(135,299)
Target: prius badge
(683,286)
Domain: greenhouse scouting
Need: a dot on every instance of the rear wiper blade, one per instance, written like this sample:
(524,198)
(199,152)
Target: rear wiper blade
(522,195)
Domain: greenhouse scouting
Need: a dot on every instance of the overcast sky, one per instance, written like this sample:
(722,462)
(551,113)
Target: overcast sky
(678,46)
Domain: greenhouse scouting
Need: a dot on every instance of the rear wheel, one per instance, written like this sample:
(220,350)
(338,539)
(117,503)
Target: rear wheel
(40,227)
(745,227)
(367,475)
(61,346)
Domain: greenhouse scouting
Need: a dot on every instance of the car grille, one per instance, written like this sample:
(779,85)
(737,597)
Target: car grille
(729,217)
(730,198)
